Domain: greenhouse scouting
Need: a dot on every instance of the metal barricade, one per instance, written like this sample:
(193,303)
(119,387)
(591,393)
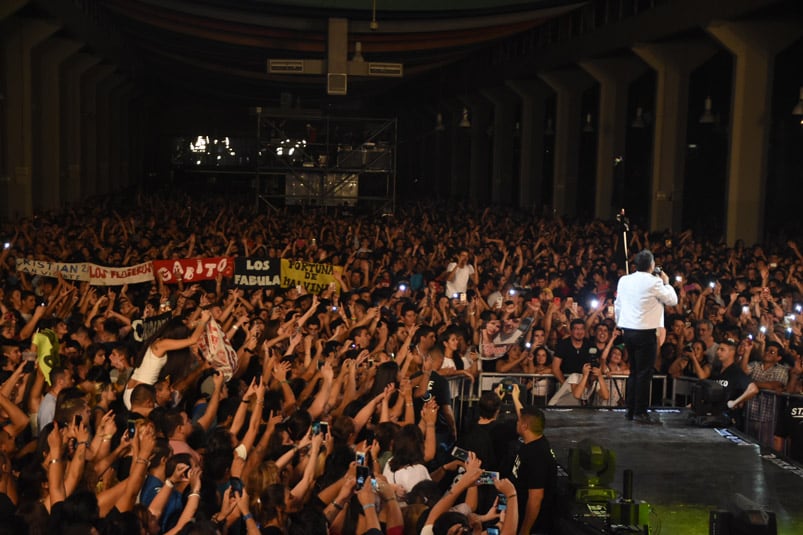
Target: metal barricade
(681,386)
(761,417)
(617,385)
(460,393)
(661,380)
(542,385)
(789,418)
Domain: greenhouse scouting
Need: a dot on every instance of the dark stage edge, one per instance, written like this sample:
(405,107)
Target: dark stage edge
(683,471)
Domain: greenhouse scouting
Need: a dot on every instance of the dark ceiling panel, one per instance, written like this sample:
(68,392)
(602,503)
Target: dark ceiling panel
(192,44)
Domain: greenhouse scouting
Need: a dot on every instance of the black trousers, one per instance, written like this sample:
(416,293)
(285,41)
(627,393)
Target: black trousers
(642,348)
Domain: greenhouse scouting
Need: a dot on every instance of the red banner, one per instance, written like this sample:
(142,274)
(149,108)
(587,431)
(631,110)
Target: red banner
(193,269)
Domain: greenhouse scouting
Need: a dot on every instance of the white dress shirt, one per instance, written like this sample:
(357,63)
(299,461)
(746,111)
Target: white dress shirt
(640,301)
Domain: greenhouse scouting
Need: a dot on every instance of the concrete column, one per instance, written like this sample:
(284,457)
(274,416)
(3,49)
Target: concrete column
(89,127)
(19,38)
(46,178)
(673,62)
(755,45)
(533,93)
(107,135)
(504,123)
(614,76)
(569,85)
(72,134)
(119,151)
(479,189)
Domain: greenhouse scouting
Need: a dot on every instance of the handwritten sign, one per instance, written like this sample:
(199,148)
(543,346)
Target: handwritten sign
(257,272)
(314,277)
(193,269)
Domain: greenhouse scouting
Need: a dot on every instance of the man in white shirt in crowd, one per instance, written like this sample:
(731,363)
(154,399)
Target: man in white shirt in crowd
(639,308)
(458,274)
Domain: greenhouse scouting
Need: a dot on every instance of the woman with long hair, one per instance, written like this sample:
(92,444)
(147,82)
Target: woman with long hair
(272,510)
(172,336)
(406,468)
(692,363)
(538,362)
(453,363)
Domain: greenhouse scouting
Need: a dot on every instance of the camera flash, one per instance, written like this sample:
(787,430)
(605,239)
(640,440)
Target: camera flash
(678,278)
(594,303)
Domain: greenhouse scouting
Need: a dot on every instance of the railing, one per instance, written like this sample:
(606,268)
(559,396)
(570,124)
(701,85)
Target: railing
(681,386)
(765,416)
(543,387)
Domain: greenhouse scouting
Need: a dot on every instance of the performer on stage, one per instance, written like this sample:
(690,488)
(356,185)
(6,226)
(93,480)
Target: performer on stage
(639,310)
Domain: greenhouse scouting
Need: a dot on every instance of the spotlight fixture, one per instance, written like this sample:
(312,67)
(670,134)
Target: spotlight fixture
(464,121)
(588,128)
(708,116)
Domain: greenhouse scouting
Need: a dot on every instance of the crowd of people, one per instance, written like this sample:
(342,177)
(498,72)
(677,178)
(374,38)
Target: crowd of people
(338,416)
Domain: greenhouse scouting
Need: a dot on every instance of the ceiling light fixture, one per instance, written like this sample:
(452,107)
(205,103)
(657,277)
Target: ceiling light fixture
(439,127)
(464,121)
(708,116)
(374,25)
(588,128)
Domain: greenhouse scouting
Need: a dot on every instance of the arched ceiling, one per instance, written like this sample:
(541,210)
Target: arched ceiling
(220,48)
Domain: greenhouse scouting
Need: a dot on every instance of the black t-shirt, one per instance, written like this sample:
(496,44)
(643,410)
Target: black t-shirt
(491,442)
(535,468)
(438,387)
(733,380)
(573,358)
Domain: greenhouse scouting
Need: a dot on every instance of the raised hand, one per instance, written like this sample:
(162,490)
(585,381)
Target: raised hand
(429,413)
(54,442)
(280,371)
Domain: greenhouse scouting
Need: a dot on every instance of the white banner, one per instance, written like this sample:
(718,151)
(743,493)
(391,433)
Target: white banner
(114,276)
(70,271)
(84,271)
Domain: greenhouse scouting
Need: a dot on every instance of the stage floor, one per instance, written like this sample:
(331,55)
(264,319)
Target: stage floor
(684,472)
